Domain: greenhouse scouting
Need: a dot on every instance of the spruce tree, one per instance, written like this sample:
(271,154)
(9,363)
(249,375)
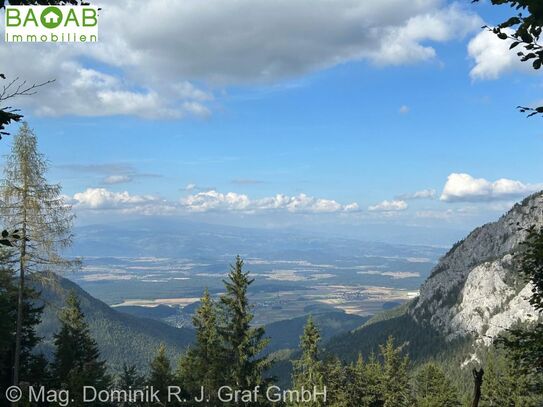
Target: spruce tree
(39,217)
(77,358)
(202,365)
(308,370)
(161,375)
(397,392)
(130,379)
(373,391)
(33,367)
(432,388)
(243,343)
(525,344)
(365,384)
(507,385)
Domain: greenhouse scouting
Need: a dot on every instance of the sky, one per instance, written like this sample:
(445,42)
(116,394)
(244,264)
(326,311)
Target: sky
(390,120)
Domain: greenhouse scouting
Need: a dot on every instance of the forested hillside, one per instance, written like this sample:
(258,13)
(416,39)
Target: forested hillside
(120,337)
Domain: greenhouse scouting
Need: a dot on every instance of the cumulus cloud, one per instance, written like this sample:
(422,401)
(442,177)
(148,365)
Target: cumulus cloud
(492,56)
(422,194)
(101,198)
(234,202)
(389,206)
(167,69)
(465,188)
(206,201)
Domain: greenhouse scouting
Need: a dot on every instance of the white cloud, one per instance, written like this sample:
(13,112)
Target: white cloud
(234,202)
(117,179)
(493,57)
(404,109)
(464,187)
(164,70)
(101,198)
(422,194)
(389,206)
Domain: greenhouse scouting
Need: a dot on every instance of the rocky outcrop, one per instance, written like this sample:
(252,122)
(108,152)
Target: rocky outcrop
(475,288)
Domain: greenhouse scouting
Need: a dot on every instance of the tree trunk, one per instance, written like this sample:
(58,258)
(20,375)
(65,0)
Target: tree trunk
(478,382)
(20,297)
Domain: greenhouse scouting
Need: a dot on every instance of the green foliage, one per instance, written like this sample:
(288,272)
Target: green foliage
(505,384)
(140,337)
(523,29)
(33,369)
(202,365)
(308,370)
(243,344)
(161,376)
(77,359)
(526,343)
(432,388)
(396,388)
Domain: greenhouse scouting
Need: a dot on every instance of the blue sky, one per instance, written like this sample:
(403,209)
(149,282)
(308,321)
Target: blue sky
(258,130)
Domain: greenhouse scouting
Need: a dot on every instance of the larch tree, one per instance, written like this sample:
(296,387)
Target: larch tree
(37,213)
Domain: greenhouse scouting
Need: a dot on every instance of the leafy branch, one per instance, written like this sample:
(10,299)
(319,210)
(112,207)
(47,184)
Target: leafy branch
(523,29)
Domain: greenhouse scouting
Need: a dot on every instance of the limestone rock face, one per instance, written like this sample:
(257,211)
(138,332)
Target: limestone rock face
(475,288)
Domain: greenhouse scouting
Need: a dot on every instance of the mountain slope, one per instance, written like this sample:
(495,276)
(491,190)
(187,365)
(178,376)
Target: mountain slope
(472,295)
(475,289)
(121,338)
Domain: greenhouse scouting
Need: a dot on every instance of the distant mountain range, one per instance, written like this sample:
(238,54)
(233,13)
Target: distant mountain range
(158,237)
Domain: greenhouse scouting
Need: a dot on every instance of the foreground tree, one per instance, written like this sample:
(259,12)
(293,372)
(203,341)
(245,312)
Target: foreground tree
(243,343)
(432,388)
(397,391)
(130,379)
(506,385)
(33,367)
(38,214)
(160,375)
(201,366)
(76,360)
(308,370)
(525,344)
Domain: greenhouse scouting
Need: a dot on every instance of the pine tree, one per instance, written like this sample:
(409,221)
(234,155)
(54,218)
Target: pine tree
(161,375)
(202,365)
(77,359)
(397,392)
(308,370)
(37,213)
(243,343)
(433,389)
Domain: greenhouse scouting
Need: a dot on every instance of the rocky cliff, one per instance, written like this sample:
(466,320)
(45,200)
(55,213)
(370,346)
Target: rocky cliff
(475,288)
